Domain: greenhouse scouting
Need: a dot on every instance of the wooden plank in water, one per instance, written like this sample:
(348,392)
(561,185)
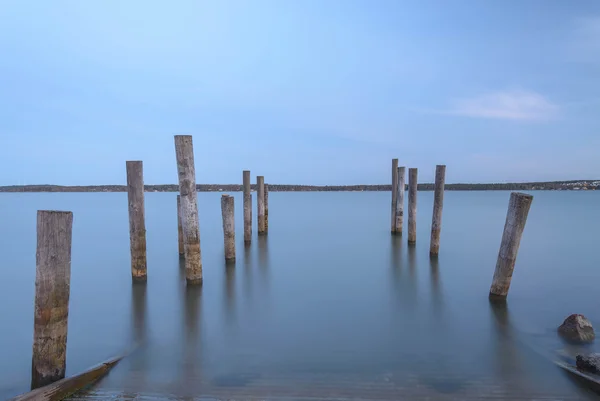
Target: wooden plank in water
(63,388)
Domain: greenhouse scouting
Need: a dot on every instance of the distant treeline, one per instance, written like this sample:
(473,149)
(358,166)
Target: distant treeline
(554,185)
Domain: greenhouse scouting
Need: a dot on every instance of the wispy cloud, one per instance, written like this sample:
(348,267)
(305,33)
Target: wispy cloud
(507,105)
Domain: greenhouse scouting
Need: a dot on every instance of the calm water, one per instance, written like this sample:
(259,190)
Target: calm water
(328,305)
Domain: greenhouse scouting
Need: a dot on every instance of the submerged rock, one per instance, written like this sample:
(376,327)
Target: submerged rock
(589,363)
(576,328)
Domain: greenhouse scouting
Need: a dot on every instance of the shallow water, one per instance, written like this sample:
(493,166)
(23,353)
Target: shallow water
(329,304)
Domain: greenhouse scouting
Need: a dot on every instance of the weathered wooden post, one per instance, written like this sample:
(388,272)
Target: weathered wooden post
(438,205)
(227,211)
(400,200)
(52,290)
(516,217)
(412,205)
(247,208)
(266,208)
(179,227)
(394,193)
(184,150)
(260,195)
(137,224)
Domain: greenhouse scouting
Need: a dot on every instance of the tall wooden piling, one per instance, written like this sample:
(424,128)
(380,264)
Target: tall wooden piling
(266,208)
(394,193)
(52,289)
(227,211)
(184,150)
(179,227)
(438,205)
(516,217)
(247,208)
(400,200)
(137,224)
(412,205)
(260,196)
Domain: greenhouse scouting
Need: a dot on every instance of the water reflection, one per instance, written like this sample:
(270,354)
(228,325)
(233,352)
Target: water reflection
(263,259)
(192,316)
(436,287)
(229,292)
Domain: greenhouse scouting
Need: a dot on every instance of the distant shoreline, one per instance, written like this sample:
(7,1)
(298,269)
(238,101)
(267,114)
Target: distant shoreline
(523,186)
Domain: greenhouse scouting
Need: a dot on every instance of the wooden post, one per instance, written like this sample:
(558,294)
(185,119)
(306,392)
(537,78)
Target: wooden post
(179,227)
(260,195)
(52,289)
(184,150)
(516,217)
(412,205)
(247,208)
(438,205)
(137,224)
(400,200)
(394,192)
(227,211)
(266,208)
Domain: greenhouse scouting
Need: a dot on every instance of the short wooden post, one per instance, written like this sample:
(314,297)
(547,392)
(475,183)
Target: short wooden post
(179,227)
(412,205)
(400,200)
(247,208)
(394,193)
(137,224)
(266,208)
(516,217)
(438,205)
(52,289)
(227,211)
(260,195)
(184,150)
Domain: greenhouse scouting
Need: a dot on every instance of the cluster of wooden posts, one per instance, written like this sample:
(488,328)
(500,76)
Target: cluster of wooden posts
(53,256)
(518,209)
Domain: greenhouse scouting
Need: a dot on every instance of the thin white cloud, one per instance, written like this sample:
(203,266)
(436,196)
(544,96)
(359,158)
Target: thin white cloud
(507,105)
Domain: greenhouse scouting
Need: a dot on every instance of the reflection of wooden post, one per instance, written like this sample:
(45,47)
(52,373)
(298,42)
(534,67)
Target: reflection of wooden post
(179,229)
(184,150)
(412,205)
(260,195)
(227,211)
(400,200)
(394,192)
(52,289)
(516,217)
(137,225)
(266,208)
(247,208)
(438,204)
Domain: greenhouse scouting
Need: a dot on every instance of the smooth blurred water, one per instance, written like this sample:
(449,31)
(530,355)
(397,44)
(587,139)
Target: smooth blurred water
(329,304)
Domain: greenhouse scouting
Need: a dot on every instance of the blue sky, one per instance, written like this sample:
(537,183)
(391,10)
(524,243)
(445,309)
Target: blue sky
(303,91)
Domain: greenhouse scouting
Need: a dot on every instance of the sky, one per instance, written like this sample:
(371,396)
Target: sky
(322,92)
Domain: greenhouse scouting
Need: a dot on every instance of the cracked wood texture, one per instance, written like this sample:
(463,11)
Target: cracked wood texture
(266,208)
(247,207)
(52,289)
(412,205)
(227,212)
(137,224)
(179,227)
(400,200)
(516,217)
(438,205)
(260,195)
(184,151)
(394,192)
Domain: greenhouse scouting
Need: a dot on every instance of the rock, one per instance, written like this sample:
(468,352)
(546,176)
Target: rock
(589,363)
(576,328)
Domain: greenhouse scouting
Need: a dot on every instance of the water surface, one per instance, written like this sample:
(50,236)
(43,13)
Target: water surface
(329,304)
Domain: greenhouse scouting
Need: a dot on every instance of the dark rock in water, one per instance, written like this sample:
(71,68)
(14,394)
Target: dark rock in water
(589,363)
(576,328)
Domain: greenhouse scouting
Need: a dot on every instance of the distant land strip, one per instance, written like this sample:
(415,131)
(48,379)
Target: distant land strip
(523,186)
